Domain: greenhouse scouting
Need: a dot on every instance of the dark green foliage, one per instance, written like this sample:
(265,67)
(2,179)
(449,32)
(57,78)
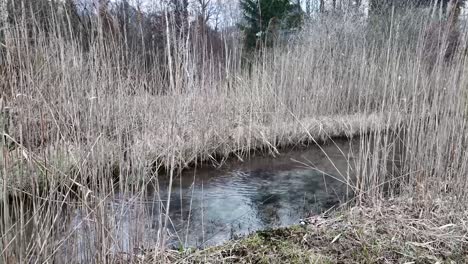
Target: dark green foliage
(263,20)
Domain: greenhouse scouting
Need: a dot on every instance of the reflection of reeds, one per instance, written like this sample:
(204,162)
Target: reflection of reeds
(85,123)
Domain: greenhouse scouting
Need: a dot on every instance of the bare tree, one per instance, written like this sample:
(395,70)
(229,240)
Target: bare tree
(204,9)
(217,15)
(181,13)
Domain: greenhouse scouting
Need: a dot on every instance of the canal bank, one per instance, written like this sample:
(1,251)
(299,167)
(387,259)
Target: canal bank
(399,230)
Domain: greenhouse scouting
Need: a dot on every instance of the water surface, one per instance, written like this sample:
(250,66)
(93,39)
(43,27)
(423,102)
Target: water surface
(211,205)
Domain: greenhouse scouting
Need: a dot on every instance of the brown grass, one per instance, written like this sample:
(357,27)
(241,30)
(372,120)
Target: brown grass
(83,125)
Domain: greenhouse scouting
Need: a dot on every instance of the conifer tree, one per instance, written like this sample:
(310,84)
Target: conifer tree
(261,17)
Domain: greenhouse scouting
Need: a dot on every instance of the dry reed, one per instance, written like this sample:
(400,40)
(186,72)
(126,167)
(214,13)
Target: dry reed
(80,120)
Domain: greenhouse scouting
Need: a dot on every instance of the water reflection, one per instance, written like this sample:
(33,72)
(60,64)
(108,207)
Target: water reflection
(209,206)
(257,194)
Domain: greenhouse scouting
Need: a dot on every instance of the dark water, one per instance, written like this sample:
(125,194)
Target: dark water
(209,206)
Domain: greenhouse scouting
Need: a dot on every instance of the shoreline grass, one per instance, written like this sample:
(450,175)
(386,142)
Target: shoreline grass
(399,230)
(268,139)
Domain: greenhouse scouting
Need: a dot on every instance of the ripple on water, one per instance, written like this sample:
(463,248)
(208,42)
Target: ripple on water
(215,205)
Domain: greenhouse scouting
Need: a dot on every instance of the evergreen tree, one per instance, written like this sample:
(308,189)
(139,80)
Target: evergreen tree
(262,19)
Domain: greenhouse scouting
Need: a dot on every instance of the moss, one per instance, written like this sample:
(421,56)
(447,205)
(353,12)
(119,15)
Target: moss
(254,241)
(281,245)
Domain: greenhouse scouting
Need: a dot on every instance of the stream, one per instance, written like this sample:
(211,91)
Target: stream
(210,205)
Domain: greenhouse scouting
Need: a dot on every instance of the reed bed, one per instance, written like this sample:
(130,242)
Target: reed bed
(81,126)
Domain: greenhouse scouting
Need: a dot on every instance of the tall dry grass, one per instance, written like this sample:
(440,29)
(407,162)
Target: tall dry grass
(81,127)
